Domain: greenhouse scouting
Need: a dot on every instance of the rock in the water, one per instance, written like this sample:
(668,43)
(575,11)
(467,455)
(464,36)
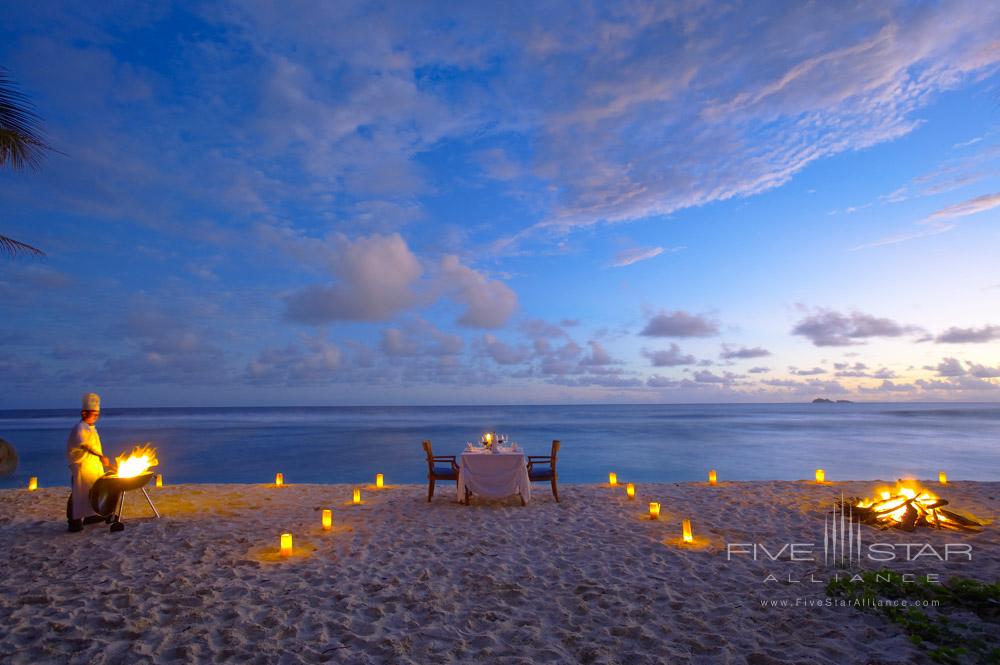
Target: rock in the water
(8,459)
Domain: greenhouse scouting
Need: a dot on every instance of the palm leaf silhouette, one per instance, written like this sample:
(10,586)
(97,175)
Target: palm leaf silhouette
(22,145)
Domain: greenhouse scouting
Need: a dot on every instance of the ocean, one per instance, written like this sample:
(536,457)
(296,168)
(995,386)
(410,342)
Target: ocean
(641,443)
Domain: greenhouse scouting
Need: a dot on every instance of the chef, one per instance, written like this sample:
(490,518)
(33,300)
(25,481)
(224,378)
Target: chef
(86,463)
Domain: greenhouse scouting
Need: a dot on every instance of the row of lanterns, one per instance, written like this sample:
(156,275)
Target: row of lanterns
(713,479)
(327,516)
(687,535)
(33,482)
(326,520)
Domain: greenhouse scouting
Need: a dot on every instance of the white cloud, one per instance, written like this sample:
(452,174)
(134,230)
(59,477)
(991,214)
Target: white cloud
(672,357)
(376,277)
(488,303)
(830,328)
(627,257)
(680,324)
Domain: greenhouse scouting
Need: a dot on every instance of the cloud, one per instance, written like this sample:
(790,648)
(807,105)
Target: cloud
(627,257)
(418,337)
(860,370)
(983,371)
(313,361)
(939,221)
(988,333)
(376,279)
(672,357)
(807,372)
(502,353)
(598,356)
(830,328)
(27,281)
(759,370)
(853,80)
(743,352)
(949,367)
(706,376)
(161,347)
(680,324)
(488,303)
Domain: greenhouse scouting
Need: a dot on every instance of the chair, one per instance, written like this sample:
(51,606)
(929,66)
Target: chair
(436,471)
(543,467)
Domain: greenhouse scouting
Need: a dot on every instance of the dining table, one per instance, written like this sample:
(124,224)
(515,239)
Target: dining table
(494,475)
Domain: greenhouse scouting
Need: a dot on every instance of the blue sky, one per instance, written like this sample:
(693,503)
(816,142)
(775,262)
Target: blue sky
(418,203)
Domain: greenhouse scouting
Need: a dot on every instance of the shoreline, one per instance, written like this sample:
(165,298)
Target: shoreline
(590,579)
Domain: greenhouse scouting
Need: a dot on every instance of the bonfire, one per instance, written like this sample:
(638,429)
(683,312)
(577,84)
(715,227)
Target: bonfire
(906,508)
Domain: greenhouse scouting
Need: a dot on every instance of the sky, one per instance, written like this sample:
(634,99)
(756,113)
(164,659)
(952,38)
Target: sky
(282,203)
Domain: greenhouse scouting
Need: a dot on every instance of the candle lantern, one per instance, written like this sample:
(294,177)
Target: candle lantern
(286,544)
(379,480)
(630,491)
(32,483)
(327,520)
(942,477)
(711,477)
(159,480)
(820,475)
(357,495)
(654,511)
(612,479)
(686,531)
(279,479)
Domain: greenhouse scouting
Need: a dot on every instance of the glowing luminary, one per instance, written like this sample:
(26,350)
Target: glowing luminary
(711,477)
(489,437)
(327,520)
(279,479)
(612,478)
(32,483)
(379,480)
(942,477)
(630,491)
(357,495)
(686,535)
(820,475)
(286,544)
(159,480)
(654,511)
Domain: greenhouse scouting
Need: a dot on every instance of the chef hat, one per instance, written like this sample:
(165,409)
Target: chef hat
(91,402)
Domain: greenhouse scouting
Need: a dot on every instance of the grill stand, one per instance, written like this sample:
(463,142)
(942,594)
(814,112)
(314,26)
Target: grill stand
(116,522)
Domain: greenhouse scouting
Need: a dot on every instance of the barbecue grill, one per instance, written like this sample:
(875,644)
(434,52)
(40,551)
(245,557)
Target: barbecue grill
(107,496)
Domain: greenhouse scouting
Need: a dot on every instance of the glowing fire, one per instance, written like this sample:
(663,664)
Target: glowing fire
(138,461)
(906,508)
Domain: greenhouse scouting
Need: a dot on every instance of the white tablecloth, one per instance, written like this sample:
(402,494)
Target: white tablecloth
(494,475)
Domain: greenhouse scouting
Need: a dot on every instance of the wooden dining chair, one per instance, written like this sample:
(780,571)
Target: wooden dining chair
(543,467)
(439,467)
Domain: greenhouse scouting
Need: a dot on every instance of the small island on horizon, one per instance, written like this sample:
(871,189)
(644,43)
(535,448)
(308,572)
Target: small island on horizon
(823,400)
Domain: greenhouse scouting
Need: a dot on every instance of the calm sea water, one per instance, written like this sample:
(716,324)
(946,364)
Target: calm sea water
(641,443)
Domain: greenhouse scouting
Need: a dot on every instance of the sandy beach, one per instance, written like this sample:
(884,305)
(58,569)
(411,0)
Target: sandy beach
(590,580)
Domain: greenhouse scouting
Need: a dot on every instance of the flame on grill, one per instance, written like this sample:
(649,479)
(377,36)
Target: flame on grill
(138,461)
(906,508)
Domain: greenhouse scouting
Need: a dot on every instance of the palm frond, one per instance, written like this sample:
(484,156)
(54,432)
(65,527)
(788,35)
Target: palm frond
(22,144)
(14,247)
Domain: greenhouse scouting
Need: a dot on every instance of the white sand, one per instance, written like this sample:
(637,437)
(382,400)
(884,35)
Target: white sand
(589,580)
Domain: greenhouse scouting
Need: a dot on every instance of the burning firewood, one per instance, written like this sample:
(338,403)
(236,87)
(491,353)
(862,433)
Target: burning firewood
(906,509)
